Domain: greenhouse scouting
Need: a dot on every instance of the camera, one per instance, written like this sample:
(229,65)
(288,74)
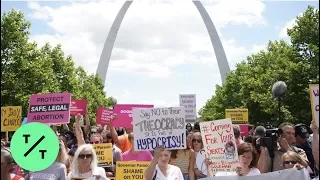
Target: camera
(270,139)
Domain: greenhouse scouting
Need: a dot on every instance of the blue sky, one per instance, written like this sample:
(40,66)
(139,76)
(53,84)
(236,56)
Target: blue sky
(161,50)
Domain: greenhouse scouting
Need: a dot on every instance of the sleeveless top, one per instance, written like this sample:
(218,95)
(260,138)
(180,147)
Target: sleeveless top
(182,161)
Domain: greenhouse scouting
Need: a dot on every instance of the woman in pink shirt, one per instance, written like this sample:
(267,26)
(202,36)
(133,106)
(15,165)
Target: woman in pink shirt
(132,155)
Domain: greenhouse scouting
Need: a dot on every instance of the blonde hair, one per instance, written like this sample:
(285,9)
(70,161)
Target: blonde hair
(295,157)
(75,162)
(194,135)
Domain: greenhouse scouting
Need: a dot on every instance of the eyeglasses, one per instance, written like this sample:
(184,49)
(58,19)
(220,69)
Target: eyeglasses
(85,156)
(290,162)
(95,142)
(197,140)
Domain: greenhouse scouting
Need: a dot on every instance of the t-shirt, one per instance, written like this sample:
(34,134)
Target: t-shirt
(89,175)
(174,173)
(253,172)
(57,171)
(316,178)
(137,156)
(124,143)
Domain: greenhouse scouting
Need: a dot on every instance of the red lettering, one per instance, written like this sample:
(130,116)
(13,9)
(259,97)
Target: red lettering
(225,138)
(210,140)
(214,151)
(220,127)
(316,92)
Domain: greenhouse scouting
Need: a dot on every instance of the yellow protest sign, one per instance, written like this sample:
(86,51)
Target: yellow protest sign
(104,154)
(238,116)
(131,170)
(10,118)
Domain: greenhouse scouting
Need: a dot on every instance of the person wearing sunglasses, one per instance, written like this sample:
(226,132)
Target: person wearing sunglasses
(85,164)
(197,145)
(293,160)
(96,139)
(7,166)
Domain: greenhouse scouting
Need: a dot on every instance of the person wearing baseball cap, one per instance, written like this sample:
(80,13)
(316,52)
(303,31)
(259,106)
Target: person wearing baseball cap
(302,133)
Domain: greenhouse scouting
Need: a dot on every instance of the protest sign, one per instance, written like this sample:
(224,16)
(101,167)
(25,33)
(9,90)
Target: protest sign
(244,129)
(153,127)
(50,108)
(220,145)
(314,98)
(78,106)
(131,170)
(10,118)
(287,174)
(104,154)
(103,115)
(188,101)
(201,161)
(124,114)
(238,116)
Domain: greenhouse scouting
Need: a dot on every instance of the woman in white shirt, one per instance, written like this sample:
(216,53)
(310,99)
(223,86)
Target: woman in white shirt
(248,159)
(160,169)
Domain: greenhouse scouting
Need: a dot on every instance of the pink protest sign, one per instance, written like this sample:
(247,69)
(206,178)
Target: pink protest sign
(50,108)
(124,114)
(78,107)
(244,129)
(103,115)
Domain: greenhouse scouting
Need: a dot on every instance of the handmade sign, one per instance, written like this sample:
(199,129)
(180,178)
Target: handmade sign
(10,118)
(238,116)
(50,108)
(104,154)
(153,127)
(219,144)
(131,170)
(124,114)
(78,106)
(314,98)
(188,101)
(103,115)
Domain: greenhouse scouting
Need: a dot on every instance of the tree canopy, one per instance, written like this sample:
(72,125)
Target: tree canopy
(27,69)
(249,85)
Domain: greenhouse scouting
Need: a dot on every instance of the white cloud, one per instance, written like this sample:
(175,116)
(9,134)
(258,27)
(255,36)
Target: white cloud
(159,36)
(288,25)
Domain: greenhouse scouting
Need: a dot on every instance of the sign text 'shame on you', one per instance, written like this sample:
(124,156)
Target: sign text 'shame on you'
(155,127)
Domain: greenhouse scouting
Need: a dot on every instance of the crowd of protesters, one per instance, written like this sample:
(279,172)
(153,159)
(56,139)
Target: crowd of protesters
(297,146)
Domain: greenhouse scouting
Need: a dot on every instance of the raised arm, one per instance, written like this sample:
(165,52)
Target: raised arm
(87,127)
(114,134)
(79,134)
(148,174)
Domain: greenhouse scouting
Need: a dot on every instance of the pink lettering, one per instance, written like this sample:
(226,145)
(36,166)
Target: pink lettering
(226,127)
(316,92)
(225,138)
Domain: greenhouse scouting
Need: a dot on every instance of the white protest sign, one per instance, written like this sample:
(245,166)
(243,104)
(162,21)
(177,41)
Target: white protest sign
(201,161)
(189,102)
(314,98)
(220,145)
(287,174)
(153,127)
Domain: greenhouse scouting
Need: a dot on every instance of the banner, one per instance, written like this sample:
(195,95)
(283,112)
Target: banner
(155,127)
(314,98)
(124,114)
(104,154)
(188,101)
(237,116)
(10,118)
(131,170)
(50,108)
(103,115)
(220,145)
(287,174)
(78,107)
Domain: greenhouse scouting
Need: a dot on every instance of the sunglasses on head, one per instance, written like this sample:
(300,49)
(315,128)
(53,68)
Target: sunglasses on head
(290,162)
(87,156)
(197,140)
(95,142)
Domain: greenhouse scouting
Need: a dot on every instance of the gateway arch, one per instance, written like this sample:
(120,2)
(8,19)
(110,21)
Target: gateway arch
(214,37)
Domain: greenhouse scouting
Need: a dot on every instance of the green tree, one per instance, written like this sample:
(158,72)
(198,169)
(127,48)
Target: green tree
(27,69)
(249,85)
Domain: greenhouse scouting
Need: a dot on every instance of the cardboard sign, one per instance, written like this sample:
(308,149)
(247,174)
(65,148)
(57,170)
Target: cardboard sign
(220,145)
(314,98)
(10,118)
(131,170)
(78,107)
(188,101)
(50,108)
(103,115)
(124,114)
(155,127)
(104,154)
(238,116)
